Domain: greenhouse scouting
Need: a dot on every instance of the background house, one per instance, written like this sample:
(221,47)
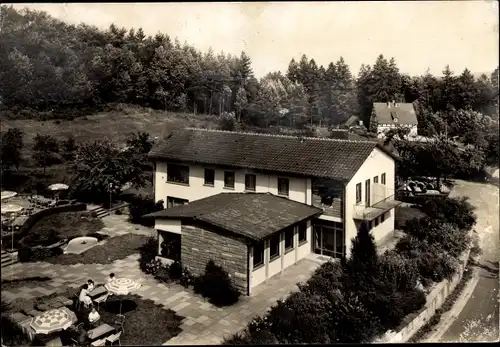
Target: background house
(390,115)
(349,181)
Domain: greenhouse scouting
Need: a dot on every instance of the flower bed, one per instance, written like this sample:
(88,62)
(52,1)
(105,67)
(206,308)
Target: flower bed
(361,299)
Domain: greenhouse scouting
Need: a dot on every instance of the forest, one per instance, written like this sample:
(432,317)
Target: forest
(51,69)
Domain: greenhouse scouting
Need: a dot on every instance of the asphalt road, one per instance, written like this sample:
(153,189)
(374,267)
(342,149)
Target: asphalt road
(479,319)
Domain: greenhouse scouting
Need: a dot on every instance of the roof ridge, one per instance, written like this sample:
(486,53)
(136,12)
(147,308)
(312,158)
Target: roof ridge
(278,135)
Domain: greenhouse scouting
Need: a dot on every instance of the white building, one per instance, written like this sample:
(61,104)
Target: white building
(317,191)
(391,115)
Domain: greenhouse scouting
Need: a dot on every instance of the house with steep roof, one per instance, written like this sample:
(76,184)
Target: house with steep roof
(391,115)
(258,203)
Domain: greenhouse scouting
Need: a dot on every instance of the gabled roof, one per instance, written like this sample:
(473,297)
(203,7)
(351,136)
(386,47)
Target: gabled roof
(404,112)
(253,215)
(312,157)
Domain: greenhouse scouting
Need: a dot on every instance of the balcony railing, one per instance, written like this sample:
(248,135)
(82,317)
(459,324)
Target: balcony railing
(371,212)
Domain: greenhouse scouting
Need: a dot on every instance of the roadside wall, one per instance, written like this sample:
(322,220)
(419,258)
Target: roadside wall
(435,300)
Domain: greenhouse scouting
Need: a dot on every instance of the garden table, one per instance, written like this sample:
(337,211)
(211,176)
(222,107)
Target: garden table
(101,332)
(98,292)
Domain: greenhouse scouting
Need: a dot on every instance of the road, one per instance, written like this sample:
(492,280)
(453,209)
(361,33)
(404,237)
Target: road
(479,319)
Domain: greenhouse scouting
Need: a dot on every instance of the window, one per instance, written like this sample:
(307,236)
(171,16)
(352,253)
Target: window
(177,173)
(370,225)
(376,221)
(172,202)
(289,239)
(382,218)
(258,254)
(375,179)
(228,179)
(209,177)
(382,178)
(170,245)
(302,232)
(274,247)
(358,193)
(283,186)
(367,193)
(250,182)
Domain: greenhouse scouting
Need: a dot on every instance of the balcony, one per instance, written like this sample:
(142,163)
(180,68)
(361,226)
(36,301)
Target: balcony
(327,195)
(369,213)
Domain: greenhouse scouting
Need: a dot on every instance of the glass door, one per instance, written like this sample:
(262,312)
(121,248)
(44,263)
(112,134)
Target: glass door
(328,241)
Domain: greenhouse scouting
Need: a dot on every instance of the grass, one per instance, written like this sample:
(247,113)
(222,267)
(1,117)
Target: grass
(404,213)
(24,282)
(116,124)
(115,248)
(145,324)
(66,225)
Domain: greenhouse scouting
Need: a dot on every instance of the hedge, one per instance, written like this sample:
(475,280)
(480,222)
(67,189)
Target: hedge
(367,295)
(34,218)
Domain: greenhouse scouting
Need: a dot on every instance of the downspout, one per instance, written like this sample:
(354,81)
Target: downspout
(343,213)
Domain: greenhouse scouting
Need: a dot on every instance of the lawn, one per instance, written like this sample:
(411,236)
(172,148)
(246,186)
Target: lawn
(145,322)
(115,248)
(117,124)
(64,225)
(405,213)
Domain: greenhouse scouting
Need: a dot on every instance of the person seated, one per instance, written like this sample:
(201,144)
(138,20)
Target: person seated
(93,315)
(84,295)
(111,278)
(91,285)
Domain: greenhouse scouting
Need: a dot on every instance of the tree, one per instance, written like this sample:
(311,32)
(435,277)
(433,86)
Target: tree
(140,142)
(11,148)
(101,169)
(241,101)
(363,263)
(45,151)
(68,148)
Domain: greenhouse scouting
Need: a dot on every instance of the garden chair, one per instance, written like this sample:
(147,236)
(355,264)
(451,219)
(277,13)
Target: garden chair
(115,337)
(101,299)
(120,320)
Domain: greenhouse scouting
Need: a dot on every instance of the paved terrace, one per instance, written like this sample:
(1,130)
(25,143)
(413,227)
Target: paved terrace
(203,323)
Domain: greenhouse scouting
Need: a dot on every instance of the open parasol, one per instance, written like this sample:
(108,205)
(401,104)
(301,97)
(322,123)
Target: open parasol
(10,208)
(58,186)
(53,320)
(6,194)
(122,286)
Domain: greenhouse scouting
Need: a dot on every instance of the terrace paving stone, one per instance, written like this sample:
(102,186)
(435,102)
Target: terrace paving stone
(204,323)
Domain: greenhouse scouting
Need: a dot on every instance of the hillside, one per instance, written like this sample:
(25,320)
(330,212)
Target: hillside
(117,124)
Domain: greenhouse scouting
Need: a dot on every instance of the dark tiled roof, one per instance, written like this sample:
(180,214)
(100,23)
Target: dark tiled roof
(253,215)
(313,157)
(404,112)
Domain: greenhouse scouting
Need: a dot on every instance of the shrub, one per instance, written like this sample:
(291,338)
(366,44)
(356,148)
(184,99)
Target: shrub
(216,285)
(142,205)
(327,277)
(162,273)
(187,278)
(175,270)
(397,272)
(148,253)
(456,211)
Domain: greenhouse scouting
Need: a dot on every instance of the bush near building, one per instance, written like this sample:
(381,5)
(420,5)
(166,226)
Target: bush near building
(369,294)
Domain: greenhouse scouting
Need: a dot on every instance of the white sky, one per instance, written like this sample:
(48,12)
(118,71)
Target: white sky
(419,34)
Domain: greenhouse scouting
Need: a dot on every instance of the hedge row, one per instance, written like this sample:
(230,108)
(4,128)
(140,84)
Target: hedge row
(360,299)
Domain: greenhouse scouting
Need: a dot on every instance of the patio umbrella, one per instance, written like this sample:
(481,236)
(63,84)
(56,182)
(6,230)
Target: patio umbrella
(53,320)
(122,286)
(10,208)
(5,194)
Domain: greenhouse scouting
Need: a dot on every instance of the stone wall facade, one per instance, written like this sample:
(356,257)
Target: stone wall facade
(202,243)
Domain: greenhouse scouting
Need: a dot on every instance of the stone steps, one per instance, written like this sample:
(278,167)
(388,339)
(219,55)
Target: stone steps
(9,259)
(103,212)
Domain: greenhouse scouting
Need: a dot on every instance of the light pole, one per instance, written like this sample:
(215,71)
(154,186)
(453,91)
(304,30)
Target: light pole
(110,187)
